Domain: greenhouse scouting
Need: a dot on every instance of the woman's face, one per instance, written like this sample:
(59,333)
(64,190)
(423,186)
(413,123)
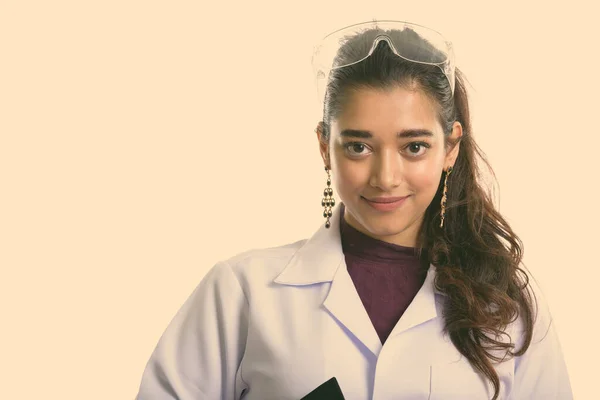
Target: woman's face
(387,144)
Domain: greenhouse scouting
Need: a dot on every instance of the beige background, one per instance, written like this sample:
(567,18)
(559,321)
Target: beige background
(142,141)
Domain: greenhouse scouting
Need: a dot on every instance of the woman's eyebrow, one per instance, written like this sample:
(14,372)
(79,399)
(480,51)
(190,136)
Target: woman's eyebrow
(406,133)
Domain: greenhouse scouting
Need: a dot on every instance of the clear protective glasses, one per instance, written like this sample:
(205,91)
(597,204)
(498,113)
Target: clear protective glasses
(409,41)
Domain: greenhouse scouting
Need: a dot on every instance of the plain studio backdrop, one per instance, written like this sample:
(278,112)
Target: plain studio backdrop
(142,141)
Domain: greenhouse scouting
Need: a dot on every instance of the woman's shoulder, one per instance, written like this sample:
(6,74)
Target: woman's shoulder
(542,316)
(259,256)
(257,266)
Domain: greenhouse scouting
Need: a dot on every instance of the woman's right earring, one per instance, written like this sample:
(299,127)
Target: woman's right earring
(328,200)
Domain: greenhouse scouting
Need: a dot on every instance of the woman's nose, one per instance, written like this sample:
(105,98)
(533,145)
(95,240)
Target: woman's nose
(386,171)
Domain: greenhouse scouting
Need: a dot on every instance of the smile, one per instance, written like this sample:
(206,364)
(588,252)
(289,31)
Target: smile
(386,204)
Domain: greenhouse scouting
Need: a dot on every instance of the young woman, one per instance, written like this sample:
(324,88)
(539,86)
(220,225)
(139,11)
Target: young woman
(412,288)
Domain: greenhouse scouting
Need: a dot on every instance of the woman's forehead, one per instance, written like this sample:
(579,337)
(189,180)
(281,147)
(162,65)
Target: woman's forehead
(390,110)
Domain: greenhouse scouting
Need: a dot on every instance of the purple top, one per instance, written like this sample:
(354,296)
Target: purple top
(387,276)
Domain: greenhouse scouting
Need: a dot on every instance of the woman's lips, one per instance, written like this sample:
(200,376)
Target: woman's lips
(385,203)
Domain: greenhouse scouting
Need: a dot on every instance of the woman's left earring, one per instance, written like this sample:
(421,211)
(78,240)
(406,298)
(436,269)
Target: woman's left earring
(444,197)
(328,200)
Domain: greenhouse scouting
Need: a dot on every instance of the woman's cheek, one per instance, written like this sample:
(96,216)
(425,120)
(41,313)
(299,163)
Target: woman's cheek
(425,179)
(348,179)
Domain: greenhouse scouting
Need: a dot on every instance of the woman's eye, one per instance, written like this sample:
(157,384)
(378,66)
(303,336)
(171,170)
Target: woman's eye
(356,149)
(415,148)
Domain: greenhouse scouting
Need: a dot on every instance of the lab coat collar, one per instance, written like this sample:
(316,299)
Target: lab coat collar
(321,259)
(318,260)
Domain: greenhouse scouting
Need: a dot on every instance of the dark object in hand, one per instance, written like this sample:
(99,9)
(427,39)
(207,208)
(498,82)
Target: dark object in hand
(329,390)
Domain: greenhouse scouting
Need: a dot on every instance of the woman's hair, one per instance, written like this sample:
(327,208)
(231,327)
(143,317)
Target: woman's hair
(476,253)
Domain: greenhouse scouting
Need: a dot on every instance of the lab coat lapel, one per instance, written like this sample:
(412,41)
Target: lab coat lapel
(422,308)
(345,305)
(321,260)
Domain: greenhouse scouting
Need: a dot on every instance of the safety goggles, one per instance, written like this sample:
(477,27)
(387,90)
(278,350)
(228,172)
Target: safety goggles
(412,42)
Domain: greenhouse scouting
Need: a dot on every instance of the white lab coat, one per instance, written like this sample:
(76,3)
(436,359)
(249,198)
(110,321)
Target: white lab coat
(276,323)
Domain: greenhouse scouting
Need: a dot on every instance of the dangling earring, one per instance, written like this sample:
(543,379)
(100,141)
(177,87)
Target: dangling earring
(328,200)
(444,196)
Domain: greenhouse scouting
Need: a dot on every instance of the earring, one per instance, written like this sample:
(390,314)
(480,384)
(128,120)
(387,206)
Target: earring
(328,200)
(443,214)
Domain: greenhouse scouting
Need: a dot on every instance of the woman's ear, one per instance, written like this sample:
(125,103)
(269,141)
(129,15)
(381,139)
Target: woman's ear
(323,143)
(455,137)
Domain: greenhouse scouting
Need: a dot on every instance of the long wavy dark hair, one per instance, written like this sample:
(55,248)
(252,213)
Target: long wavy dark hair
(476,253)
